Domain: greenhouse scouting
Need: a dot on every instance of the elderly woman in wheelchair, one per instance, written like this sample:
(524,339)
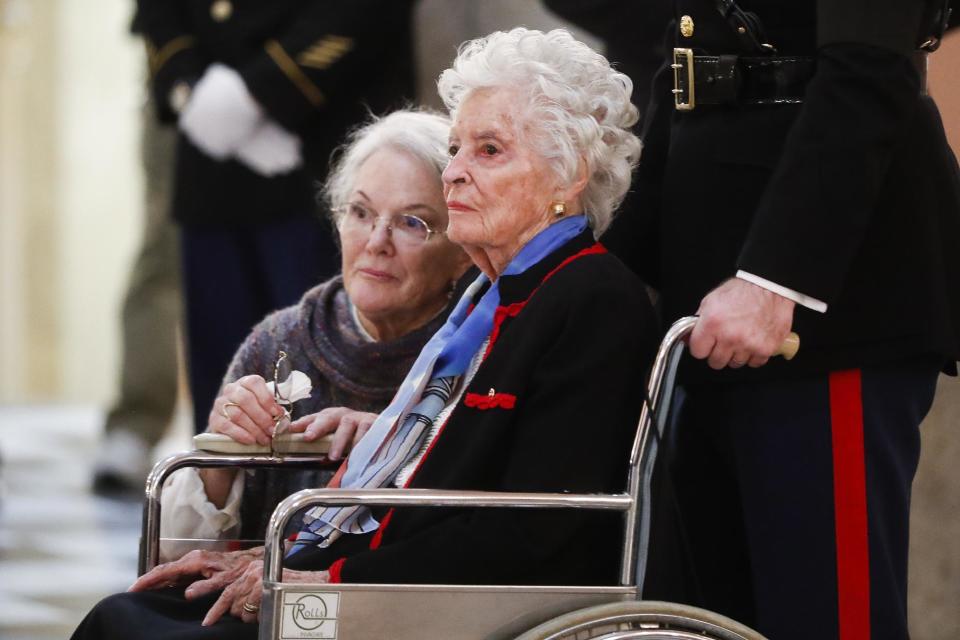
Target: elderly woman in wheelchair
(530,384)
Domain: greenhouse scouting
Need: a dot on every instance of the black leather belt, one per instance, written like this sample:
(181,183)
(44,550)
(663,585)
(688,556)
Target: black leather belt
(741,80)
(732,79)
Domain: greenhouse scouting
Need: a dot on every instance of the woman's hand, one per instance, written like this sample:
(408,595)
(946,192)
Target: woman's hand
(246,411)
(218,568)
(348,424)
(242,598)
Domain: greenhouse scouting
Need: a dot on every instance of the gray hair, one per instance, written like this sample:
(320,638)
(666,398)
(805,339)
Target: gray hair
(421,133)
(579,107)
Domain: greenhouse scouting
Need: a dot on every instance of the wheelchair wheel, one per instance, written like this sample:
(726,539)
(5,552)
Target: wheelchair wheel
(646,620)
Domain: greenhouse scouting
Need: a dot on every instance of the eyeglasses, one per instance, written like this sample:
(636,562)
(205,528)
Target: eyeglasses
(281,371)
(403,228)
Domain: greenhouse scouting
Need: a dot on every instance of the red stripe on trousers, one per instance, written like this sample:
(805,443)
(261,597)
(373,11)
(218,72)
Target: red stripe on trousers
(850,505)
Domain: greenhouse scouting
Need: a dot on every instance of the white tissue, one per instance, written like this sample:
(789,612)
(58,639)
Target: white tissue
(296,387)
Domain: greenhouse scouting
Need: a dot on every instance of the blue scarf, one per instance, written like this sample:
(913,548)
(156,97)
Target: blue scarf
(398,432)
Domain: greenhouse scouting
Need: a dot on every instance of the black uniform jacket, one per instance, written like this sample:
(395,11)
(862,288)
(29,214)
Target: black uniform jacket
(565,371)
(316,67)
(852,197)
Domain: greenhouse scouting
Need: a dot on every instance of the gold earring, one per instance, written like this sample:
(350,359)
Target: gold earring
(558,208)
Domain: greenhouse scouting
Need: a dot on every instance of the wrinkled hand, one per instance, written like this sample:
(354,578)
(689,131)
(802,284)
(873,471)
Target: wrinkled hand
(740,323)
(252,413)
(271,150)
(221,114)
(348,424)
(248,589)
(218,568)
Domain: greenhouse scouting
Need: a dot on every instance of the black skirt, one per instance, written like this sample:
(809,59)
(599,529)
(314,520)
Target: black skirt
(164,613)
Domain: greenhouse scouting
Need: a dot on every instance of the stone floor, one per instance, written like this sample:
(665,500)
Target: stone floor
(61,548)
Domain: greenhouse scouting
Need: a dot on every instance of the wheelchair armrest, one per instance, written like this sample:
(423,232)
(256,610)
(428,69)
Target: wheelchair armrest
(273,544)
(150,531)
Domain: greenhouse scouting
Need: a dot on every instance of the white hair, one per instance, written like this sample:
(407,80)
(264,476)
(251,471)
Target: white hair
(579,107)
(421,133)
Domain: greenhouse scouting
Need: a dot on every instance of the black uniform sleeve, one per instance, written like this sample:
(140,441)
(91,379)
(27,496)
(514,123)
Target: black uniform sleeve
(579,414)
(317,59)
(173,54)
(813,215)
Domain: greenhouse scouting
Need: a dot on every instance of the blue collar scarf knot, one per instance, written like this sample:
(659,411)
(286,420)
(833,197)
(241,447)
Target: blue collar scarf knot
(398,432)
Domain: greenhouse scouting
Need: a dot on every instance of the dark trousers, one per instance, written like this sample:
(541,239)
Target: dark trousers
(159,614)
(233,278)
(794,498)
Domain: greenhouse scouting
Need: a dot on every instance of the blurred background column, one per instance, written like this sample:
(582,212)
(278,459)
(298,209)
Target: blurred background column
(70,188)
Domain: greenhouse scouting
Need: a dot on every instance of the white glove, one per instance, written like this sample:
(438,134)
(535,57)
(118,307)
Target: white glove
(221,114)
(271,150)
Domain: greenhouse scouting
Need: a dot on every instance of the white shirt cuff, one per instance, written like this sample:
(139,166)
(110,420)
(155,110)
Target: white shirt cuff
(801,299)
(186,512)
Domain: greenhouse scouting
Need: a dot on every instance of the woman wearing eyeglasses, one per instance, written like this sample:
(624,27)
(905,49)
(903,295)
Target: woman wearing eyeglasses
(355,335)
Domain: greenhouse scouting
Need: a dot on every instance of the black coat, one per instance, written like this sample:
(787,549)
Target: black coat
(574,358)
(852,197)
(316,68)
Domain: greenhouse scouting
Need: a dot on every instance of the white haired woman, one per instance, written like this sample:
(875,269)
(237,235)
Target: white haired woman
(530,385)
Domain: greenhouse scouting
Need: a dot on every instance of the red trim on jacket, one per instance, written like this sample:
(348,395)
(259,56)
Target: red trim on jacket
(487,401)
(378,536)
(512,310)
(850,505)
(501,314)
(334,571)
(334,482)
(595,248)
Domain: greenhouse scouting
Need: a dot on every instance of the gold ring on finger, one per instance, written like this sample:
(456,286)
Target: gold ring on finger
(223,409)
(250,607)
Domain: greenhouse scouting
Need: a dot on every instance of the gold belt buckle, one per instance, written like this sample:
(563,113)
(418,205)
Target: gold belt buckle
(683,90)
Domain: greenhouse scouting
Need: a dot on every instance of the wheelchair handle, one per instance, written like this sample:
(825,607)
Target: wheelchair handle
(790,346)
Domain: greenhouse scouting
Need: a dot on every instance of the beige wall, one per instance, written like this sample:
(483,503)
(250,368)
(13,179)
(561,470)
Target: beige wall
(69,194)
(944,75)
(935,522)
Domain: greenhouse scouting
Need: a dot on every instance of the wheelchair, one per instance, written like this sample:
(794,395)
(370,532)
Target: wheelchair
(417,611)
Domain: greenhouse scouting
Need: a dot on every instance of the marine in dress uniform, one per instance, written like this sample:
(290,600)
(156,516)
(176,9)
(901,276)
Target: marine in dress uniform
(280,82)
(796,175)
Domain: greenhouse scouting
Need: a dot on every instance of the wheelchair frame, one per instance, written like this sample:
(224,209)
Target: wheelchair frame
(407,612)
